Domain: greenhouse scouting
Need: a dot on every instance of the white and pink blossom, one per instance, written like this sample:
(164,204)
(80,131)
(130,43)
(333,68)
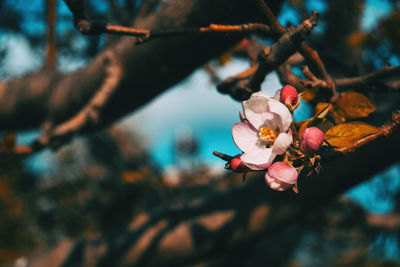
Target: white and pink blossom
(281,176)
(264,132)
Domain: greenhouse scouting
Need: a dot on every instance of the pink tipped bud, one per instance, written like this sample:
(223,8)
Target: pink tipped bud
(281,176)
(237,164)
(290,97)
(244,43)
(311,140)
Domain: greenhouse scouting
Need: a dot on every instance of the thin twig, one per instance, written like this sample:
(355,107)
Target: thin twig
(241,86)
(309,54)
(94,28)
(215,28)
(369,78)
(50,62)
(314,80)
(286,46)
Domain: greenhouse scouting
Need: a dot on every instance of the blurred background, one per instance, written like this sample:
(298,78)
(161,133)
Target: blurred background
(163,150)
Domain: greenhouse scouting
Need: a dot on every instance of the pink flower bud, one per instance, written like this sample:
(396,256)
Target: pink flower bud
(237,164)
(281,176)
(311,140)
(290,97)
(244,43)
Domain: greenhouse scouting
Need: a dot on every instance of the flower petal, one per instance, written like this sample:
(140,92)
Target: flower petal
(256,110)
(275,184)
(244,136)
(274,121)
(284,113)
(277,95)
(282,143)
(259,158)
(283,172)
(268,178)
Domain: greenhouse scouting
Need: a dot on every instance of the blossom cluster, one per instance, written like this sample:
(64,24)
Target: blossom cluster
(269,141)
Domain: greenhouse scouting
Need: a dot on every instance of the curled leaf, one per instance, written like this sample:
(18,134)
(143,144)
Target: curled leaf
(353,105)
(346,134)
(295,188)
(305,125)
(322,109)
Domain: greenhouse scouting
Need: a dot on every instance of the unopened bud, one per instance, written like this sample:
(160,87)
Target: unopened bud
(311,140)
(290,97)
(281,176)
(237,165)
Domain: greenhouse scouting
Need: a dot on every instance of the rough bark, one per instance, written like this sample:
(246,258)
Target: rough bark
(148,69)
(214,224)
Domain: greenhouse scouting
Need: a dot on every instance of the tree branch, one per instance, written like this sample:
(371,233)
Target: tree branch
(369,78)
(241,86)
(144,35)
(213,28)
(148,69)
(308,53)
(51,39)
(390,222)
(89,116)
(215,224)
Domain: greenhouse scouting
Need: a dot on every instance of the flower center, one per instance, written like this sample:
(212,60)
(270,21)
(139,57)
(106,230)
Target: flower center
(267,135)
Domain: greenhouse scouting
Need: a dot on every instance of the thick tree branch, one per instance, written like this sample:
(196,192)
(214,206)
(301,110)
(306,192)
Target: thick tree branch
(308,53)
(176,235)
(88,117)
(244,84)
(148,69)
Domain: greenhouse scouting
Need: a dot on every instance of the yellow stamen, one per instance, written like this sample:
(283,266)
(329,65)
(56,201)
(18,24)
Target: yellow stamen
(268,135)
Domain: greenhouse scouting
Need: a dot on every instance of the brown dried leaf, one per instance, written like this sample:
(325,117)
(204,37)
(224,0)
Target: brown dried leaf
(322,109)
(309,94)
(346,134)
(353,105)
(295,188)
(339,116)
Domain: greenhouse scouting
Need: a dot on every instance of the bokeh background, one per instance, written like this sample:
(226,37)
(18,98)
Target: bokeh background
(144,158)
